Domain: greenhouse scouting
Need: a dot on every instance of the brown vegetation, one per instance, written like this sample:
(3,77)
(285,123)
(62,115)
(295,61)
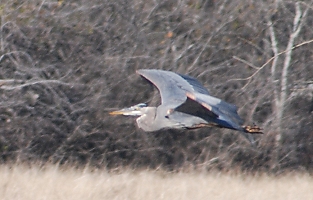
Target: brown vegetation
(65,64)
(52,182)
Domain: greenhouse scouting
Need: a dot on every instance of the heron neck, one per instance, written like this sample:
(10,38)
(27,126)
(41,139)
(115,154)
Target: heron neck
(148,120)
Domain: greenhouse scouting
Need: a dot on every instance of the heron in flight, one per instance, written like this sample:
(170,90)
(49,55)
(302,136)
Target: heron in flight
(185,104)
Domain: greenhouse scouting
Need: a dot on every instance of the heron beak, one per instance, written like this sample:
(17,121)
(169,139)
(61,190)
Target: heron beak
(126,111)
(117,112)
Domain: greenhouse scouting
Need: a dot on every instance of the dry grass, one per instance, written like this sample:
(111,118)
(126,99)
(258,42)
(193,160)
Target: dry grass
(53,183)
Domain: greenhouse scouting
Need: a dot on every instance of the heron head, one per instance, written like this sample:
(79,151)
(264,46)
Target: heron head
(135,110)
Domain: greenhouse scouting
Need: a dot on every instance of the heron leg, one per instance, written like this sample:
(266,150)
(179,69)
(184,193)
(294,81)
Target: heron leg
(201,125)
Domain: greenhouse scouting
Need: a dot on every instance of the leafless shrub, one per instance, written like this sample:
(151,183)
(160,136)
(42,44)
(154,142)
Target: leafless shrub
(65,64)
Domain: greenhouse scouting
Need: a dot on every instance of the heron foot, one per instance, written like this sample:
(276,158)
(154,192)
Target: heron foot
(253,129)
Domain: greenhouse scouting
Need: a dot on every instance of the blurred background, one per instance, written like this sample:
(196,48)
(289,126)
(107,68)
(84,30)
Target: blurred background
(65,64)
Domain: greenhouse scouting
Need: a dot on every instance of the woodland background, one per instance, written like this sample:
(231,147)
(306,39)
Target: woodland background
(65,64)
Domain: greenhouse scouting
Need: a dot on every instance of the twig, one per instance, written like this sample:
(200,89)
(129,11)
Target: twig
(9,81)
(33,83)
(246,62)
(269,60)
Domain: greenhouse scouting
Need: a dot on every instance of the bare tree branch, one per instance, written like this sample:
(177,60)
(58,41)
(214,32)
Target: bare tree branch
(246,62)
(297,26)
(4,83)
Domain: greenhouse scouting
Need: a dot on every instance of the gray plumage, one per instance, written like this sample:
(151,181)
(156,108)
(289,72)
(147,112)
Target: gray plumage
(185,104)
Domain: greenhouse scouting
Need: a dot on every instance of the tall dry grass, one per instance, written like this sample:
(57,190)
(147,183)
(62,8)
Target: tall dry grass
(30,183)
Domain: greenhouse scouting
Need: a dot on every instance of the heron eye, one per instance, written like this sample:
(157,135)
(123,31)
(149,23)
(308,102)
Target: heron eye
(142,105)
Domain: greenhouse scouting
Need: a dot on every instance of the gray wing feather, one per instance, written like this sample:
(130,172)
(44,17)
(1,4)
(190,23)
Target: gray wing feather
(172,87)
(222,109)
(197,86)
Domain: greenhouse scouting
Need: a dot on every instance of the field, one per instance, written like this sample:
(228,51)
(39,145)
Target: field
(51,182)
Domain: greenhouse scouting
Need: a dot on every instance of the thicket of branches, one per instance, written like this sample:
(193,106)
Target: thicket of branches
(65,64)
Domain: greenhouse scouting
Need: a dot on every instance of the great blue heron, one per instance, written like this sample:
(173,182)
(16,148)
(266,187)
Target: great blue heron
(185,104)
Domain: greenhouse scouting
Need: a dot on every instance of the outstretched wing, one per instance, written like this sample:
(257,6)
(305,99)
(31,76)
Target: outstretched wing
(184,94)
(172,87)
(213,110)
(195,84)
(194,108)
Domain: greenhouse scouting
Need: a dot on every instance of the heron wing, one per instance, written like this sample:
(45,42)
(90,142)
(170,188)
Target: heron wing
(195,108)
(217,111)
(172,87)
(197,86)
